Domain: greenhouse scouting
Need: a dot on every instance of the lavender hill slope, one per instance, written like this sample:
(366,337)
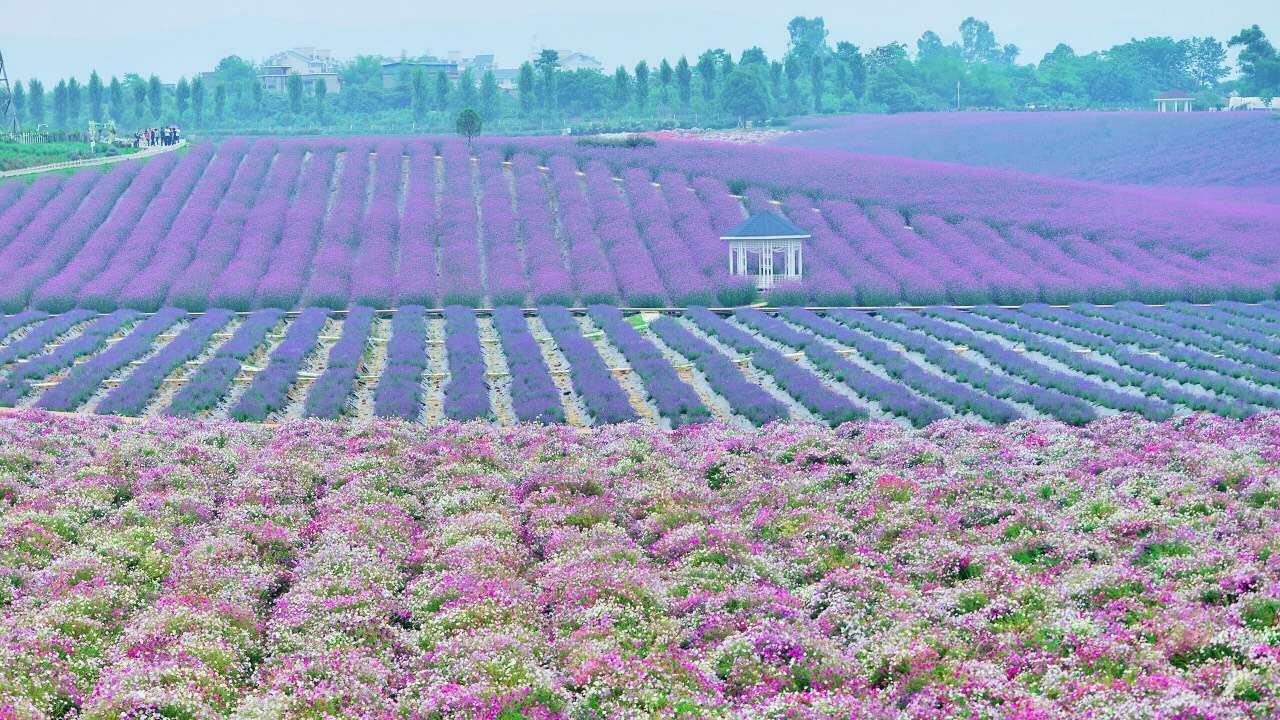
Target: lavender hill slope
(391,221)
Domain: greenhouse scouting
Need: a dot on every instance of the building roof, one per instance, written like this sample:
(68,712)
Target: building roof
(765,225)
(1174,95)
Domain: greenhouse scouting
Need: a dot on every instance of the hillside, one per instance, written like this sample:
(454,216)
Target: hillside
(1173,149)
(414,220)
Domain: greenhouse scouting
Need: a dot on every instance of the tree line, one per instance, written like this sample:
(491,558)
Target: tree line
(814,75)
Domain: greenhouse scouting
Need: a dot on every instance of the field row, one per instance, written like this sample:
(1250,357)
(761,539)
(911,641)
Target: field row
(388,222)
(602,367)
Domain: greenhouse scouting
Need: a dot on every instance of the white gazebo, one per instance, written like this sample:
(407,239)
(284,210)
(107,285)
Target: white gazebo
(767,247)
(1174,101)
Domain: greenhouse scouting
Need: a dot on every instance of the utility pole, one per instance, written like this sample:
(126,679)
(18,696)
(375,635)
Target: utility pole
(8,115)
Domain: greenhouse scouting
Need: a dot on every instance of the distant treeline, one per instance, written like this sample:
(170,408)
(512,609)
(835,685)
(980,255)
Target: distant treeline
(714,88)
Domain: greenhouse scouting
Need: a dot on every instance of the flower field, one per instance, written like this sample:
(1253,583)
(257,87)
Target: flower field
(745,367)
(188,569)
(388,222)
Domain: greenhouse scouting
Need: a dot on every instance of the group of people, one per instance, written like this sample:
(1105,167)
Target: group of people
(150,137)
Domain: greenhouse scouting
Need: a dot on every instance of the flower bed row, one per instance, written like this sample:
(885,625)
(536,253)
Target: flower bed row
(534,394)
(676,401)
(328,395)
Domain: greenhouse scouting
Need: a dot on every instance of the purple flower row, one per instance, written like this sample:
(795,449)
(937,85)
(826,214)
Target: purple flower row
(43,334)
(132,396)
(416,281)
(593,277)
(676,401)
(633,263)
(594,384)
(281,283)
(466,396)
(330,283)
(328,395)
(269,391)
(86,379)
(549,278)
(1203,331)
(672,254)
(378,236)
(210,382)
(504,266)
(534,394)
(399,392)
(744,397)
(460,259)
(17,382)
(895,395)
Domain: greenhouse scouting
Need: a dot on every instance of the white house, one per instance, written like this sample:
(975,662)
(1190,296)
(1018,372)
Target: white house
(1251,103)
(313,64)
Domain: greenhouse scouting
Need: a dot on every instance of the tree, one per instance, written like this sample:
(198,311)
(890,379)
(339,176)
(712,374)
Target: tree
(524,86)
(977,42)
(35,99)
(320,90)
(744,95)
(1259,62)
(256,94)
(220,99)
(19,101)
(294,87)
(806,37)
(182,97)
(60,104)
(621,87)
(115,100)
(707,73)
(1208,60)
(684,76)
(850,57)
(642,85)
(548,63)
(468,125)
(776,73)
(466,89)
(155,94)
(793,70)
(488,95)
(816,81)
(74,102)
(418,100)
(665,75)
(197,99)
(753,55)
(139,88)
(442,90)
(95,97)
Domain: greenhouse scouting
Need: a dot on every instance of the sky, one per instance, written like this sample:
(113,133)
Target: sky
(63,38)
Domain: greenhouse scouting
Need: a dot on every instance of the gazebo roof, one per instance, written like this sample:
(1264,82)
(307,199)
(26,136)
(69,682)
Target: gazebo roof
(1174,95)
(765,225)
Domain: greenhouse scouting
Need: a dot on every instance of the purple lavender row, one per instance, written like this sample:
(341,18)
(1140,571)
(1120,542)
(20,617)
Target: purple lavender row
(330,282)
(11,323)
(132,396)
(893,396)
(632,262)
(807,389)
(1090,318)
(328,395)
(692,225)
(399,391)
(549,279)
(416,277)
(45,248)
(1205,331)
(592,381)
(1120,374)
(466,397)
(676,401)
(281,282)
(1266,325)
(210,382)
(9,194)
(59,293)
(503,263)
(102,291)
(379,232)
(46,332)
(38,231)
(1017,364)
(1051,402)
(745,397)
(460,259)
(870,261)
(534,394)
(24,210)
(17,382)
(1266,316)
(826,257)
(269,390)
(147,288)
(671,254)
(593,277)
(993,278)
(86,379)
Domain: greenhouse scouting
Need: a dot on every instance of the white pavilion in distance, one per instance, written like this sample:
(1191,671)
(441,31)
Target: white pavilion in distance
(768,247)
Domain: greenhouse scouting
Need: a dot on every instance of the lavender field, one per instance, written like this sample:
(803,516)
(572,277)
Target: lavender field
(387,222)
(1240,149)
(749,367)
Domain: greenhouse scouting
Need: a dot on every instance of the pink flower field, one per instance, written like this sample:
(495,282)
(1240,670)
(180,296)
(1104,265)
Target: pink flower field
(186,569)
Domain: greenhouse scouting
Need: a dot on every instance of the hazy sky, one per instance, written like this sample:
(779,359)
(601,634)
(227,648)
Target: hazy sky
(57,38)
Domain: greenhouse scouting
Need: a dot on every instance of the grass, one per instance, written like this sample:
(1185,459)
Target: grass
(16,155)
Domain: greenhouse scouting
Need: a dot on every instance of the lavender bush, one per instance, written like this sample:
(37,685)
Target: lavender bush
(676,401)
(328,395)
(534,394)
(207,386)
(466,396)
(269,391)
(399,391)
(592,381)
(132,396)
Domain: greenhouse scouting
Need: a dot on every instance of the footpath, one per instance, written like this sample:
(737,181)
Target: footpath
(89,162)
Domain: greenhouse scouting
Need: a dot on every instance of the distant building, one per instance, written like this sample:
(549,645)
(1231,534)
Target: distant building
(508,78)
(479,64)
(1251,103)
(313,64)
(579,61)
(396,71)
(1174,101)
